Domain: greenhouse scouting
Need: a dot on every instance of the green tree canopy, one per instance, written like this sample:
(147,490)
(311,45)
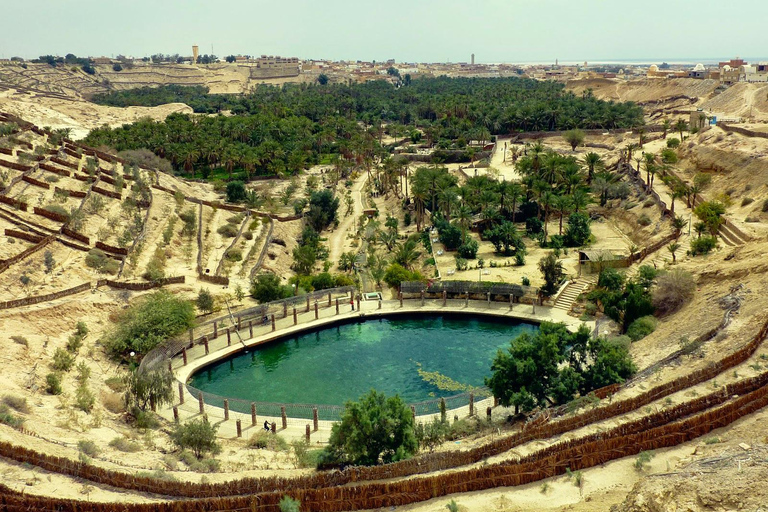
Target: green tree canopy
(553,365)
(150,321)
(375,429)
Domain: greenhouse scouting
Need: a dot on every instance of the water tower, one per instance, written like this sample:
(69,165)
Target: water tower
(195,54)
(473,59)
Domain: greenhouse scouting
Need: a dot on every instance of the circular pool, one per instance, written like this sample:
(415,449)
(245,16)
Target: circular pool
(418,357)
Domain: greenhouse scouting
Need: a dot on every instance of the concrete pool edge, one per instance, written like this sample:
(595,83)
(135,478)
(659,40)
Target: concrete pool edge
(197,359)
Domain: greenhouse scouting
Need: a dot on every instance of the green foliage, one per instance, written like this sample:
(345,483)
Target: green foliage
(703,245)
(144,388)
(151,320)
(155,270)
(7,418)
(668,155)
(643,459)
(574,137)
(323,208)
(227,230)
(372,430)
(312,121)
(267,287)
(235,192)
(641,328)
(552,271)
(450,236)
(62,360)
(553,365)
(98,260)
(468,249)
(189,218)
(624,301)
(431,435)
(578,232)
(673,142)
(288,504)
(204,301)
(711,214)
(452,506)
(396,274)
(196,435)
(53,384)
(505,239)
(48,261)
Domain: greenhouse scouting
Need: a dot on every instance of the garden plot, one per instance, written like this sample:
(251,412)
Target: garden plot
(11,246)
(156,245)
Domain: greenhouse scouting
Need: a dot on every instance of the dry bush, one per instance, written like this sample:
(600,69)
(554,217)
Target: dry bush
(673,289)
(113,402)
(16,402)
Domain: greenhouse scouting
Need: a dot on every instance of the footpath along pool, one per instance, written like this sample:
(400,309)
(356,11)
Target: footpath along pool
(419,357)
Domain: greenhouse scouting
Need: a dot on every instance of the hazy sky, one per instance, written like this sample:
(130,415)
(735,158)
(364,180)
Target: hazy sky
(408,31)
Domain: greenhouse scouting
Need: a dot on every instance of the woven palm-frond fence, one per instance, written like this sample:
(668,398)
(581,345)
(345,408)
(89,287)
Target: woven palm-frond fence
(654,432)
(418,465)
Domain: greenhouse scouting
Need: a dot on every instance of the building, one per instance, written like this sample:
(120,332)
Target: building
(195,54)
(268,66)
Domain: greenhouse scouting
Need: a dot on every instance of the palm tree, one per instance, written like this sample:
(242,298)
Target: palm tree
(580,199)
(406,253)
(666,125)
(562,206)
(347,261)
(673,247)
(593,161)
(700,229)
(464,219)
(678,223)
(547,200)
(650,161)
(677,192)
(680,127)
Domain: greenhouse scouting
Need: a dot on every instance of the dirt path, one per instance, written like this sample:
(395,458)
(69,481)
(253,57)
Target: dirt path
(337,241)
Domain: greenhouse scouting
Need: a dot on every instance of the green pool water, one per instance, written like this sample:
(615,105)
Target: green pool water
(340,363)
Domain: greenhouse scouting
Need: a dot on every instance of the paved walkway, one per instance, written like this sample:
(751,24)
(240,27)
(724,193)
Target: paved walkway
(218,349)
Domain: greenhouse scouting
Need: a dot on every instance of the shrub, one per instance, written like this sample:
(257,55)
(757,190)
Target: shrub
(21,340)
(9,419)
(288,504)
(189,218)
(204,301)
(669,156)
(198,436)
(53,384)
(747,201)
(525,281)
(48,261)
(673,142)
(155,318)
(228,230)
(125,445)
(84,399)
(17,403)
(673,289)
(98,260)
(88,447)
(641,328)
(375,428)
(143,388)
(62,360)
(235,191)
(268,287)
(703,245)
(264,440)
(644,220)
(468,249)
(234,254)
(578,232)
